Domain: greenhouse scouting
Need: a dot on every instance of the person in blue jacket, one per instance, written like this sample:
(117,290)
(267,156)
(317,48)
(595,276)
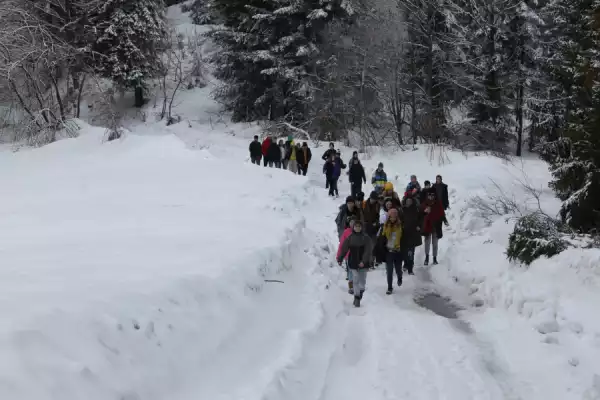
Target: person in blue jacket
(379,178)
(332,170)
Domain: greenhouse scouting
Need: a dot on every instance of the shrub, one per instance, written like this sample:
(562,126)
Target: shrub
(535,235)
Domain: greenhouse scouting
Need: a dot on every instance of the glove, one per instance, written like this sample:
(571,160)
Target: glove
(339,262)
(361,265)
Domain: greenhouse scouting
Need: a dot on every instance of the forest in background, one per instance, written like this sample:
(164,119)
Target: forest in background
(500,76)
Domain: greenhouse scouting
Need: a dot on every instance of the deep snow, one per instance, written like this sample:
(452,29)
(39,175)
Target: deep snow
(165,266)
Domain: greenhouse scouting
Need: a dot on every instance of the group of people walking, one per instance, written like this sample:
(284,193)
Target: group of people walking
(387,228)
(287,155)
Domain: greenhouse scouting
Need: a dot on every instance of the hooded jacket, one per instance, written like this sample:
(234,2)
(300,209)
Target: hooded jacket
(265,146)
(273,152)
(359,248)
(255,149)
(411,218)
(344,216)
(371,216)
(356,172)
(392,231)
(432,221)
(441,190)
(347,232)
(379,178)
(304,155)
(333,169)
(328,153)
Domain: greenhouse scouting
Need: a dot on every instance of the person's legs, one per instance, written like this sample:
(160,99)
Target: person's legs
(362,281)
(293,166)
(350,278)
(305,170)
(331,187)
(409,259)
(356,282)
(389,270)
(427,245)
(398,266)
(265,162)
(334,182)
(284,164)
(434,243)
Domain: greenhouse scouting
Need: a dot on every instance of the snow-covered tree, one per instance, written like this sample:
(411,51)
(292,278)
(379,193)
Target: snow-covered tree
(202,12)
(268,54)
(574,155)
(128,38)
(535,235)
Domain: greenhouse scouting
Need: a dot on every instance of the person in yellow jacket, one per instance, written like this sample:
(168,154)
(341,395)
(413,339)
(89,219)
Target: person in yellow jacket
(388,191)
(392,231)
(293,161)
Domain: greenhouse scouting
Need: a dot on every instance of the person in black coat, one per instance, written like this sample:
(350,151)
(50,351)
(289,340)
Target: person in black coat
(423,193)
(304,155)
(273,154)
(329,152)
(356,176)
(441,190)
(411,232)
(255,151)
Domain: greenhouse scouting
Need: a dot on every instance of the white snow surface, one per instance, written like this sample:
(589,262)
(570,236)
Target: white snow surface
(165,266)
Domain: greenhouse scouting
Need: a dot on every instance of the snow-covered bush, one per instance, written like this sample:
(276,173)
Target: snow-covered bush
(535,235)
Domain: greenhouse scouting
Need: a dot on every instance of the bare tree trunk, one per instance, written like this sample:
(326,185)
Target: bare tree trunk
(79,93)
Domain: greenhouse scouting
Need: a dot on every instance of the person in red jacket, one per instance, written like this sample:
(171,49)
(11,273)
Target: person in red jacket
(265,148)
(433,218)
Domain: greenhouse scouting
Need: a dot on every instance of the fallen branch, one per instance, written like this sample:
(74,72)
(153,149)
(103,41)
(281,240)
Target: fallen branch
(273,280)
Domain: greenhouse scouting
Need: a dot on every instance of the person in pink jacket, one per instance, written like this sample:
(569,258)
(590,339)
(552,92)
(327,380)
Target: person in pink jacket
(347,232)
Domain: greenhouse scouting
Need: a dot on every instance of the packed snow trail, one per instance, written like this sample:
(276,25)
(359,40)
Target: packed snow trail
(390,348)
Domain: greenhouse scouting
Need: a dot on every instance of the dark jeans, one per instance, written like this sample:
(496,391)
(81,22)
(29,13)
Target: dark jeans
(269,163)
(409,258)
(284,164)
(265,161)
(255,160)
(332,184)
(277,164)
(393,262)
(355,188)
(302,169)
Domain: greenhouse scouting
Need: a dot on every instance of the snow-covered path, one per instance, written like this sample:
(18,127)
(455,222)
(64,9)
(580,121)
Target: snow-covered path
(390,348)
(152,270)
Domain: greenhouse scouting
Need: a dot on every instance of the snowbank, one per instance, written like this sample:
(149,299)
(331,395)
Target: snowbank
(131,268)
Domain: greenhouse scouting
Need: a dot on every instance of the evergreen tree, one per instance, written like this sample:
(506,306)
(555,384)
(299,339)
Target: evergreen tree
(269,51)
(128,38)
(574,156)
(202,12)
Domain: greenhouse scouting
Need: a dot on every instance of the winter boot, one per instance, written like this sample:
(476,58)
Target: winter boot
(389,291)
(426,260)
(399,281)
(356,301)
(435,261)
